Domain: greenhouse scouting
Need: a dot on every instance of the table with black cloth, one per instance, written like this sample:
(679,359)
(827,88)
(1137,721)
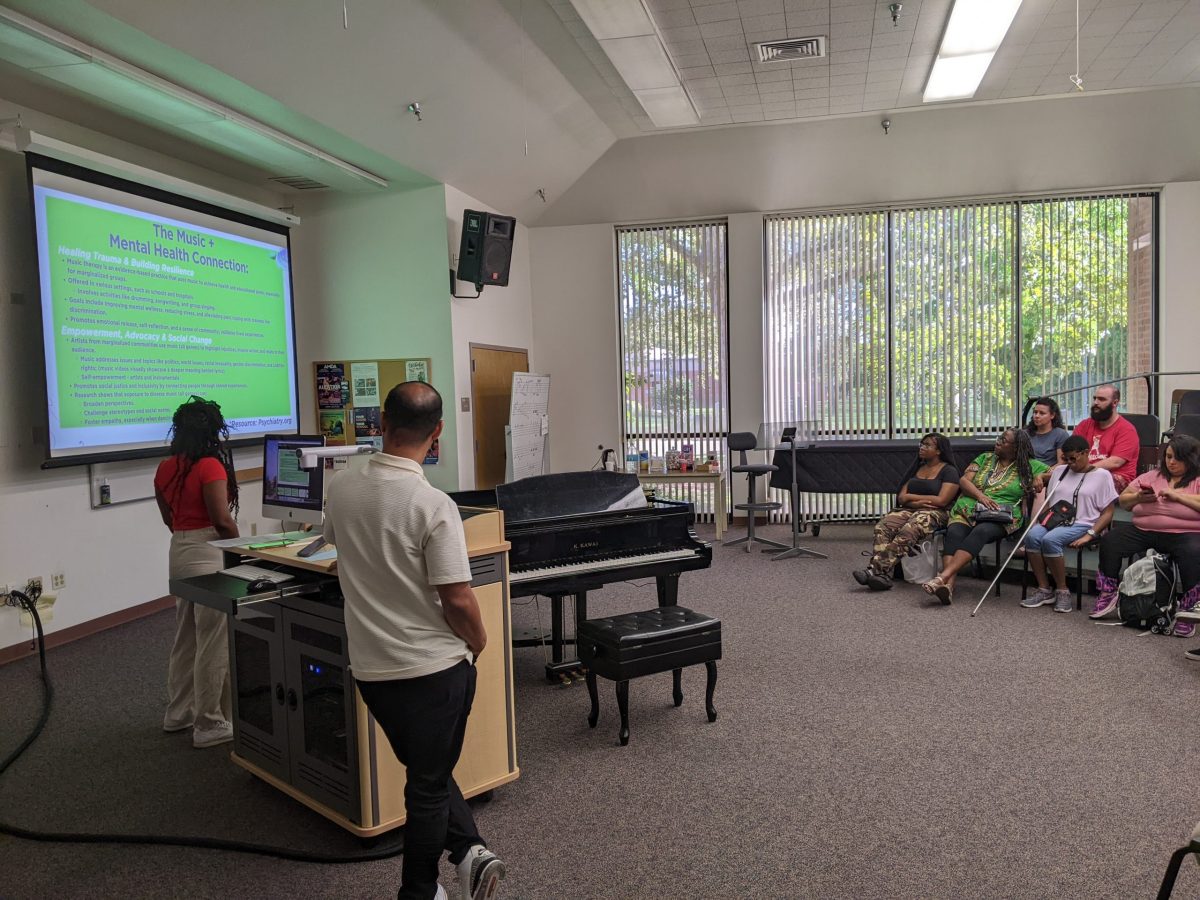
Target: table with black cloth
(861,466)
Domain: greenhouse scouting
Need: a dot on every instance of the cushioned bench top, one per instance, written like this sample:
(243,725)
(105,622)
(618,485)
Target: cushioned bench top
(663,623)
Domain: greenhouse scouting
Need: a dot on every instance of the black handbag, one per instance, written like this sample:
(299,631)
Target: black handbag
(1001,515)
(1061,513)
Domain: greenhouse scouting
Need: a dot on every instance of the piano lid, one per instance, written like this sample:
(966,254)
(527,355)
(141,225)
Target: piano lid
(569,494)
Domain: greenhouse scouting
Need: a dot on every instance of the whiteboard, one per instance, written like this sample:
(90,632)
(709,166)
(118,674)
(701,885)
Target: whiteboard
(528,429)
(131,480)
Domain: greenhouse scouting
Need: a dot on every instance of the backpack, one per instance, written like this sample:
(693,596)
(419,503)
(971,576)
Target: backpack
(1147,595)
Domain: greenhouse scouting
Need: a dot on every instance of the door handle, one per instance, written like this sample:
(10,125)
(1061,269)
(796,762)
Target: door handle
(279,693)
(291,699)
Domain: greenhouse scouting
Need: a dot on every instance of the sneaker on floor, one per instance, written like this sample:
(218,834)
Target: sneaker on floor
(1193,655)
(1185,629)
(1063,601)
(222,733)
(441,893)
(479,874)
(170,726)
(1104,605)
(861,576)
(1040,597)
(878,582)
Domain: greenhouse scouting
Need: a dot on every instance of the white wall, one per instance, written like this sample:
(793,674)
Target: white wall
(1019,148)
(500,317)
(115,557)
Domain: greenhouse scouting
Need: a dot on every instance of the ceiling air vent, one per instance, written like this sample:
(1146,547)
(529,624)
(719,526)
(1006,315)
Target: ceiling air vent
(791,50)
(299,182)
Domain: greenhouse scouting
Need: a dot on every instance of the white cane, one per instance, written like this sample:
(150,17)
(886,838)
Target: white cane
(1016,547)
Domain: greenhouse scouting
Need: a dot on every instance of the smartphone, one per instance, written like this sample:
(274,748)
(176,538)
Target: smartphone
(311,548)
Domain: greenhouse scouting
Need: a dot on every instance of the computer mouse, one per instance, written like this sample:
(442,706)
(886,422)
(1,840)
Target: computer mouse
(260,584)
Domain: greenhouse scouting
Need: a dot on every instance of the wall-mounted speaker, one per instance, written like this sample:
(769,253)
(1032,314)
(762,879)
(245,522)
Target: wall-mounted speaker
(485,250)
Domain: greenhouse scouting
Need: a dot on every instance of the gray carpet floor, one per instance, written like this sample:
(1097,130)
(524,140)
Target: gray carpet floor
(868,746)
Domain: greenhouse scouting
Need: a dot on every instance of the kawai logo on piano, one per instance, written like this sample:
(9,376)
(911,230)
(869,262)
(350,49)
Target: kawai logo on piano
(585,545)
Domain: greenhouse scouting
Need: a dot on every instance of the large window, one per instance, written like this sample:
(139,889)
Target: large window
(672,284)
(896,322)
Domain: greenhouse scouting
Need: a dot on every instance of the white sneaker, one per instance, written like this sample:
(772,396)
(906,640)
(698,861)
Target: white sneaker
(441,893)
(170,726)
(221,733)
(479,874)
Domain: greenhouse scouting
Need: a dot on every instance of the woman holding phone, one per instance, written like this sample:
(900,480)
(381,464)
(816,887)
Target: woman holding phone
(1166,517)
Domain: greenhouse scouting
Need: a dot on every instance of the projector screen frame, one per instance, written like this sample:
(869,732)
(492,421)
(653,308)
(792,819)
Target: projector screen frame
(71,170)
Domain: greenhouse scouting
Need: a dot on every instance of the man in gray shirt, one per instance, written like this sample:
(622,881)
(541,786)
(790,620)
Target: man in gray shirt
(414,630)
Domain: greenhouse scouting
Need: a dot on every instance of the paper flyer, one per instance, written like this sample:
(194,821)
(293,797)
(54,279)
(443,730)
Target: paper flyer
(367,422)
(332,390)
(416,370)
(333,427)
(434,454)
(364,378)
(376,442)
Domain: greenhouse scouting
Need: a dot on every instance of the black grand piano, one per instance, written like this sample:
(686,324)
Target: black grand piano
(577,531)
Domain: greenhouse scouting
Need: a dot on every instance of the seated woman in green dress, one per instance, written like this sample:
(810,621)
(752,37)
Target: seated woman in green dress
(1001,478)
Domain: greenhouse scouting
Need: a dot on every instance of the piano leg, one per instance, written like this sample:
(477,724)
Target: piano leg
(668,589)
(559,669)
(677,683)
(594,715)
(708,691)
(623,706)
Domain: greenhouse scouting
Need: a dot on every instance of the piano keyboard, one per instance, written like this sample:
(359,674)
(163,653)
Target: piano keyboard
(598,565)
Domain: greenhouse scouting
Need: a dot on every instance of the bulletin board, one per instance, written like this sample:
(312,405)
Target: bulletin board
(350,395)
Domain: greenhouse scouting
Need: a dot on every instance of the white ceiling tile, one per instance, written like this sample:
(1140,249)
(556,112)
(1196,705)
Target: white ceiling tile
(813,94)
(686,48)
(878,53)
(738,68)
(852,12)
(724,28)
(848,29)
(788,112)
(804,64)
(1143,24)
(1059,20)
(775,23)
(716,118)
(775,75)
(1130,39)
(668,4)
(698,74)
(705,92)
(730,80)
(739,117)
(718,12)
(812,105)
(759,7)
(790,5)
(850,56)
(879,103)
(858,68)
(856,78)
(846,90)
(809,19)
(1120,52)
(730,56)
(674,18)
(691,60)
(728,42)
(811,81)
(740,90)
(892,38)
(686,33)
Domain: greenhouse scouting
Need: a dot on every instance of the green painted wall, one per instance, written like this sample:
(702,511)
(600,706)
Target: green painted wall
(371,282)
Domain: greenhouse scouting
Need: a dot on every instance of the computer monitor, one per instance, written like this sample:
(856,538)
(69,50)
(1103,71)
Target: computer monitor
(290,493)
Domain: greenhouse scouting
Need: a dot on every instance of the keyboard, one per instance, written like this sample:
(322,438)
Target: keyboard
(248,572)
(596,565)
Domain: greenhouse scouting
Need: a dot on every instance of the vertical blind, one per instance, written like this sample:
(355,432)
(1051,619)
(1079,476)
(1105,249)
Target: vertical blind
(892,323)
(674,328)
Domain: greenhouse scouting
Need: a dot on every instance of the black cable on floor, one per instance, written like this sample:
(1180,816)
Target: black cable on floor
(17,598)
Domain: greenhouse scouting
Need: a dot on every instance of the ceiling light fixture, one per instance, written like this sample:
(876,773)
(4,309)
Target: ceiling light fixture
(973,35)
(629,38)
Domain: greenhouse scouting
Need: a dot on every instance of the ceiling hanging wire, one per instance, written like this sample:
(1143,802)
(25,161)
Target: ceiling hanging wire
(524,88)
(1076,79)
(345,15)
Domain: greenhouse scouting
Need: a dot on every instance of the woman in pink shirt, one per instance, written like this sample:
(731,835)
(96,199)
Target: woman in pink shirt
(1166,517)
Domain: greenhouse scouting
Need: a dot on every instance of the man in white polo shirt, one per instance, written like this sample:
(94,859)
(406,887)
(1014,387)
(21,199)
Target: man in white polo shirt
(414,631)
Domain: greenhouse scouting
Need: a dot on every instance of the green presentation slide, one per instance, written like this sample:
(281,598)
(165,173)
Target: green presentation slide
(147,311)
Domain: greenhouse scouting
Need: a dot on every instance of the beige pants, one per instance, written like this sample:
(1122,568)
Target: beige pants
(198,673)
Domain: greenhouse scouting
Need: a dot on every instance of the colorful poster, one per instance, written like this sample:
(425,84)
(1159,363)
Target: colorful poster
(333,427)
(416,370)
(376,442)
(364,378)
(331,386)
(367,422)
(435,452)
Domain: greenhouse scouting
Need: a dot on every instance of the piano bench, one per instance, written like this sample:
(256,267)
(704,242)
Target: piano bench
(646,643)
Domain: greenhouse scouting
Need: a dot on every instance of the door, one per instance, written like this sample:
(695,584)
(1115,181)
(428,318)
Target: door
(491,393)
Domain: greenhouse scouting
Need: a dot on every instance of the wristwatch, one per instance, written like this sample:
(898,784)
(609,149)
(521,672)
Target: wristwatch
(1091,532)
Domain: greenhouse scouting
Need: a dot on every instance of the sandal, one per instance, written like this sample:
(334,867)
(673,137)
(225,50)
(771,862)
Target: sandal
(938,588)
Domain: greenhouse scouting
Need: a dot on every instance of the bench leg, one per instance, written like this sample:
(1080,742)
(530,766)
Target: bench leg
(594,715)
(708,691)
(677,679)
(623,706)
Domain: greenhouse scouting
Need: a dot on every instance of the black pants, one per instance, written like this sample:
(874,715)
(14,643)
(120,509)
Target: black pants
(425,719)
(971,538)
(1125,539)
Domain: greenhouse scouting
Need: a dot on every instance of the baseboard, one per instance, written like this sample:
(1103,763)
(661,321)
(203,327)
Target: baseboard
(75,632)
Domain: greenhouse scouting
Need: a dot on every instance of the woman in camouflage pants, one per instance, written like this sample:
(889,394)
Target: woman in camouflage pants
(923,506)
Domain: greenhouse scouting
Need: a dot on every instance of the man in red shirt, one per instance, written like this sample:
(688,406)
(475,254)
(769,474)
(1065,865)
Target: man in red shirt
(1112,438)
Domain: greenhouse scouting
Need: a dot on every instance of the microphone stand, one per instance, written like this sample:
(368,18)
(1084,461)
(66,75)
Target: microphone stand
(796,550)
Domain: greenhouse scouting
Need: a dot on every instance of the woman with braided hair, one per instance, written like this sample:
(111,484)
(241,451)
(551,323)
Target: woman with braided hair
(1004,477)
(197,496)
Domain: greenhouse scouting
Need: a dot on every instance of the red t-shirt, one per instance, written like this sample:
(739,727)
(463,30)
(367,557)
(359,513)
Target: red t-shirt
(1119,439)
(188,511)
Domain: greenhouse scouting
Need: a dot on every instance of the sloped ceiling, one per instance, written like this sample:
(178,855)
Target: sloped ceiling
(500,121)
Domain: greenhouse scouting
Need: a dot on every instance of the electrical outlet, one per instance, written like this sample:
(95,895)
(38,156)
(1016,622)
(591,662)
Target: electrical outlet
(33,588)
(58,581)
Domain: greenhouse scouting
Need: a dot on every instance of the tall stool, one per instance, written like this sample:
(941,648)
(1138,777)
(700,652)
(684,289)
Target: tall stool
(743,441)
